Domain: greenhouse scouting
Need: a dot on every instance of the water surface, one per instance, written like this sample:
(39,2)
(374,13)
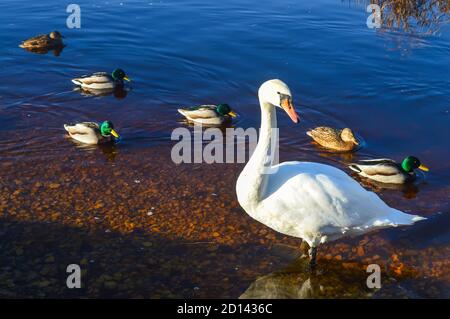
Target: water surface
(144,227)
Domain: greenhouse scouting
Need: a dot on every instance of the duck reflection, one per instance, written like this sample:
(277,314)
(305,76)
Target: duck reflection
(55,50)
(296,282)
(346,157)
(343,156)
(409,190)
(109,150)
(119,92)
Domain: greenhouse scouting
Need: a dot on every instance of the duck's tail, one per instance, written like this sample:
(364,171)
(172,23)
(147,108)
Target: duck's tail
(68,127)
(354,167)
(77,82)
(182,112)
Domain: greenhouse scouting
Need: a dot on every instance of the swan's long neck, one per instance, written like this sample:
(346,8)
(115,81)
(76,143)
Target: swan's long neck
(254,176)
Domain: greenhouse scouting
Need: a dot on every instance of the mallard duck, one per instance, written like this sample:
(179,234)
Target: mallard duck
(43,41)
(91,132)
(385,170)
(313,201)
(208,114)
(102,80)
(335,139)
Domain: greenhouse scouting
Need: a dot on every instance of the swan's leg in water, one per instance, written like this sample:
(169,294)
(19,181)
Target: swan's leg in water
(312,258)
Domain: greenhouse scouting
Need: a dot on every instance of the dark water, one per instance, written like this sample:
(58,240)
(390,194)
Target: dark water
(390,85)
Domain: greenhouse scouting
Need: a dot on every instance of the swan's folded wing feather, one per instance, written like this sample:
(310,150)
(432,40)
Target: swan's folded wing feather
(312,198)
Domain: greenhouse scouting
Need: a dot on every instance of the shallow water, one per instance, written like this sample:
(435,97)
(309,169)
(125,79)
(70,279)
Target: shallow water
(142,226)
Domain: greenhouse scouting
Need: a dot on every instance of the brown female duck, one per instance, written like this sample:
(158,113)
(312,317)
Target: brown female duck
(335,139)
(43,41)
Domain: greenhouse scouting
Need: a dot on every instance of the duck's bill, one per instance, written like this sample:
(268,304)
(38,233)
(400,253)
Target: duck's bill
(114,133)
(126,78)
(232,114)
(423,168)
(288,107)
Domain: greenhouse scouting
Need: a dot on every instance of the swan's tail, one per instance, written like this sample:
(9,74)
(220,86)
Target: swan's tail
(395,218)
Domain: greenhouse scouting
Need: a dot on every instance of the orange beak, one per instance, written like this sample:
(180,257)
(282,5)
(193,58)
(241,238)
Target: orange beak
(287,105)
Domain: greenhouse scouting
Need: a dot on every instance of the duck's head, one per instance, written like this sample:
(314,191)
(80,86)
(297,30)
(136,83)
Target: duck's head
(277,93)
(348,136)
(119,75)
(225,109)
(107,129)
(55,35)
(411,163)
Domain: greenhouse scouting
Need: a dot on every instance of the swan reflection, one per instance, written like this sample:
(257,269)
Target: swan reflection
(296,282)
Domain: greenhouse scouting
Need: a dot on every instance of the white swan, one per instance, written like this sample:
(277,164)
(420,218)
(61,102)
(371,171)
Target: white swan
(312,201)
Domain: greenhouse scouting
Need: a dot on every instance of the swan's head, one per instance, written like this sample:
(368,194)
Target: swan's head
(277,93)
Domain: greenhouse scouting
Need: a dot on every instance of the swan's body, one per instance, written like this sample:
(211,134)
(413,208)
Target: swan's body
(208,114)
(91,132)
(334,139)
(312,201)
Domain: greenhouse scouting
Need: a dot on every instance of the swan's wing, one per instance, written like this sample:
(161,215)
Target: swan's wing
(305,199)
